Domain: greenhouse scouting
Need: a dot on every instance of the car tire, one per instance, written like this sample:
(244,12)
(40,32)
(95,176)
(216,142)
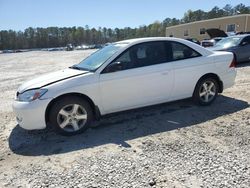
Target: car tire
(206,91)
(70,115)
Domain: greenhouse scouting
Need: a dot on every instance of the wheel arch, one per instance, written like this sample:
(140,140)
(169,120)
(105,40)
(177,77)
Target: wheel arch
(211,75)
(94,107)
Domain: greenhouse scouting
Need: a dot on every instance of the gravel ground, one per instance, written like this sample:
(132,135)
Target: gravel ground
(176,144)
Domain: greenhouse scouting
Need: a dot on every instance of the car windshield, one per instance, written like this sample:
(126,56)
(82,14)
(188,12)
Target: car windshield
(228,42)
(95,60)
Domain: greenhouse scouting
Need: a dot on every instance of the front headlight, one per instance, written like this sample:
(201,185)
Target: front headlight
(31,95)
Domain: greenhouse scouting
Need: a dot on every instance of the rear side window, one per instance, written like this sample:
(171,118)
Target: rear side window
(181,51)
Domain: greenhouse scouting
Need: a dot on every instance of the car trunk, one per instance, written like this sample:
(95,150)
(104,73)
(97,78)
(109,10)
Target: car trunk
(213,32)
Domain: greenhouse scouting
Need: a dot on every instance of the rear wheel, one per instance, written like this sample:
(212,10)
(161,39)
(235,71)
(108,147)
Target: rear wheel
(71,115)
(206,91)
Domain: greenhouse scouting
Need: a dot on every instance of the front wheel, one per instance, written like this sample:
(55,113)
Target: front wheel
(206,91)
(71,115)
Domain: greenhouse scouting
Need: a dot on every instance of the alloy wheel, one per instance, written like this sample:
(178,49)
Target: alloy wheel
(72,118)
(207,91)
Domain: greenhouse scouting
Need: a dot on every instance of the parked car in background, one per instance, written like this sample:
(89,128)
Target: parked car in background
(55,49)
(86,47)
(215,36)
(206,43)
(98,46)
(8,51)
(239,45)
(193,40)
(82,47)
(69,47)
(210,42)
(122,76)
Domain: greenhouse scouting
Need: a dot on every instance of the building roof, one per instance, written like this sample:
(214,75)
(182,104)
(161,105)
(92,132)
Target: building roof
(210,20)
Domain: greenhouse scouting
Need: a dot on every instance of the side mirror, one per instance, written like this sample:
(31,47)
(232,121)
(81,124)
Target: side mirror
(113,67)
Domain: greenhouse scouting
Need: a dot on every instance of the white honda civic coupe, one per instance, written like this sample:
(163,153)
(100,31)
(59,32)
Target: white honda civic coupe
(122,76)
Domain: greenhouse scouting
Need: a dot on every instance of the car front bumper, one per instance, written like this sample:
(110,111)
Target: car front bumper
(31,115)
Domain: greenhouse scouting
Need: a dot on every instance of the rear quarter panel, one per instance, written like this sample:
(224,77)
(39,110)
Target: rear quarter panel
(227,74)
(188,72)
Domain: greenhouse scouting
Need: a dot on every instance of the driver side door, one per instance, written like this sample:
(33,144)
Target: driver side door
(140,76)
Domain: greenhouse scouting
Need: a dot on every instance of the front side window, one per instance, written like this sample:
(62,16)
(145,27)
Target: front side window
(141,55)
(246,40)
(181,51)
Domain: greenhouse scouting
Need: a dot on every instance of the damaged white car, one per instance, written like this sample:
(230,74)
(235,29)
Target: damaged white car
(122,76)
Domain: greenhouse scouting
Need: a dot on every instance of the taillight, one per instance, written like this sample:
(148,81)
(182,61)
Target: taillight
(233,63)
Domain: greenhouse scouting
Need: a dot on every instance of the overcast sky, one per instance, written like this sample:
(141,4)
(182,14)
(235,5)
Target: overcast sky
(20,14)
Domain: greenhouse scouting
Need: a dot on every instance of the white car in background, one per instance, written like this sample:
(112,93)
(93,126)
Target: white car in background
(122,76)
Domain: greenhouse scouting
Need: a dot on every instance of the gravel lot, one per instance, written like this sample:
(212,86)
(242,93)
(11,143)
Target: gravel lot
(176,144)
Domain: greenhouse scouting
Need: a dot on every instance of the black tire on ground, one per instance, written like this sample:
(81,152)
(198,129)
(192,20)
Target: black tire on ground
(199,91)
(67,104)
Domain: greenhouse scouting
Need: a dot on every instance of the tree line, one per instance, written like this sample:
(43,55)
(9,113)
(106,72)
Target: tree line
(61,36)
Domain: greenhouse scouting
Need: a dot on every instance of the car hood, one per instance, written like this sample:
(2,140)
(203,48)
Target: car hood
(50,78)
(216,33)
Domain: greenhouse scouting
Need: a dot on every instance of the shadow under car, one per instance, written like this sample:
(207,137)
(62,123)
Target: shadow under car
(121,127)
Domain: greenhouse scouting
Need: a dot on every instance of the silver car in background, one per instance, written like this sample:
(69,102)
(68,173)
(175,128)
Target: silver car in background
(239,45)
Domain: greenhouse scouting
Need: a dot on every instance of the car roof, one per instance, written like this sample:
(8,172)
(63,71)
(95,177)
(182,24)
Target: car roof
(194,46)
(149,39)
(239,36)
